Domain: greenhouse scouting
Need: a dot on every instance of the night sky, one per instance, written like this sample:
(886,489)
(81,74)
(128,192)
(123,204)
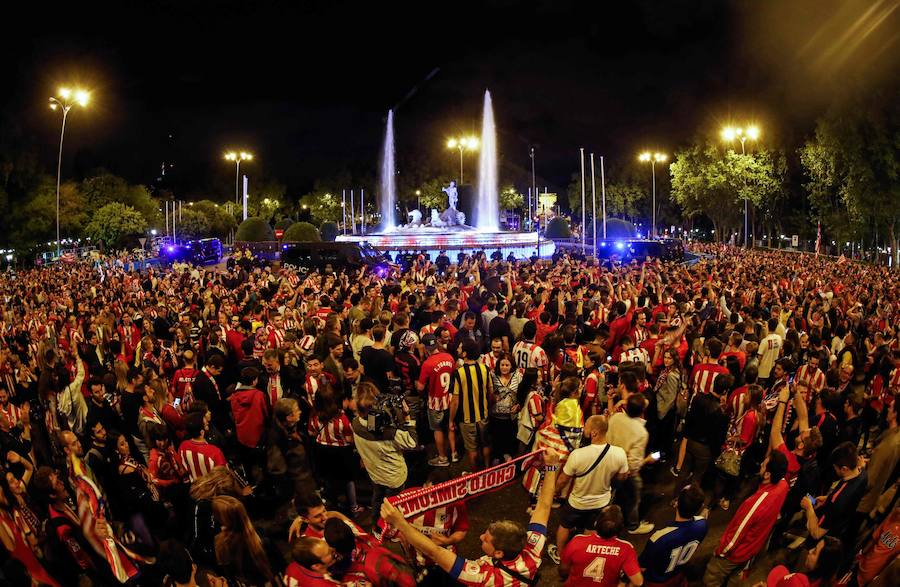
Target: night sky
(306,85)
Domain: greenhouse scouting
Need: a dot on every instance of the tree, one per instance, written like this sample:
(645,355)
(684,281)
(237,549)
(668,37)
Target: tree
(431,195)
(623,198)
(707,181)
(511,198)
(34,221)
(193,224)
(116,224)
(105,188)
(852,167)
(220,222)
(254,229)
(301,232)
(323,206)
(264,208)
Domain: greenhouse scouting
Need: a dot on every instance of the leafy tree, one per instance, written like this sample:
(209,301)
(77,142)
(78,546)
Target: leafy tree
(116,224)
(254,229)
(852,167)
(623,199)
(193,224)
(511,198)
(323,206)
(221,222)
(105,188)
(706,181)
(264,208)
(35,219)
(301,232)
(284,223)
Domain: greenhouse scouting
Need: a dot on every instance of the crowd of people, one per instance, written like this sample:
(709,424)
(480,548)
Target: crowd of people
(249,425)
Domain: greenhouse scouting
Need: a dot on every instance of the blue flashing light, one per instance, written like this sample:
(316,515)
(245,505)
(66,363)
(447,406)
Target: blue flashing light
(620,245)
(171,249)
(602,243)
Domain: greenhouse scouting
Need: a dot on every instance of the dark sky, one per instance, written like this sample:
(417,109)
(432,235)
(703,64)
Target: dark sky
(306,85)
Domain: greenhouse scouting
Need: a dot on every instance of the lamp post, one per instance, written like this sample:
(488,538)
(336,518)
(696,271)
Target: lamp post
(462,144)
(729,134)
(237,157)
(653,158)
(67,98)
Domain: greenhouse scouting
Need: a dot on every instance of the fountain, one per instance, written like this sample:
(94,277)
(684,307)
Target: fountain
(487,215)
(436,231)
(387,196)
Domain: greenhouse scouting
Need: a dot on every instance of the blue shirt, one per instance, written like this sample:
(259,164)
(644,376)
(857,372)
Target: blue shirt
(670,548)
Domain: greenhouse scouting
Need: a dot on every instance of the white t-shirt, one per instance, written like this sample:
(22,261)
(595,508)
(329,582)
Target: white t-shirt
(592,491)
(769,349)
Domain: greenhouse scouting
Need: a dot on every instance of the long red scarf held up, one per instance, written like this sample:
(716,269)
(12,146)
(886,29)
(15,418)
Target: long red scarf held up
(413,503)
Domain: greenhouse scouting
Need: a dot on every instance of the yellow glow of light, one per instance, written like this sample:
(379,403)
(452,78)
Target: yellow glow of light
(660,157)
(65,93)
(231,156)
(471,143)
(729,133)
(82,97)
(645,156)
(753,132)
(451,143)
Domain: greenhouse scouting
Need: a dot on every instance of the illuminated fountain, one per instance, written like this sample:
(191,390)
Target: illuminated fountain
(447,231)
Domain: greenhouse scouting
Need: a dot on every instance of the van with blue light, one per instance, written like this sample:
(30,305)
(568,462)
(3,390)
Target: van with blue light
(205,251)
(304,257)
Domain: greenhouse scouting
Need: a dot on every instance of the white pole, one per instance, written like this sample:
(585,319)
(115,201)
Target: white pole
(583,234)
(653,172)
(246,195)
(362,211)
(344,211)
(62,133)
(529,207)
(352,213)
(174,231)
(603,192)
(167,218)
(593,206)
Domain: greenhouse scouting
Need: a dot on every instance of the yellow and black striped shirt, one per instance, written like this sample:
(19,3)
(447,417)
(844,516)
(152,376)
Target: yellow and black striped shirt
(470,382)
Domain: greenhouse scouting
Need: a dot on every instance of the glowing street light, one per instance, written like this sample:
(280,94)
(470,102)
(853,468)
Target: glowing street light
(463,144)
(653,159)
(729,134)
(67,98)
(237,157)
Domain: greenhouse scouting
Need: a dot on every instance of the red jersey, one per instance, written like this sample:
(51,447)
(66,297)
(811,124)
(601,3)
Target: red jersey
(529,355)
(748,530)
(810,377)
(704,376)
(741,357)
(598,562)
(436,372)
(183,379)
(199,458)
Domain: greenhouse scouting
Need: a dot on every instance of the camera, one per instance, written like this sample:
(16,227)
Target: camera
(386,412)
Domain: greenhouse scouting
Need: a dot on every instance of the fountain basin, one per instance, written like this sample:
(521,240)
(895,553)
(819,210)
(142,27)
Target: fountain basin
(522,245)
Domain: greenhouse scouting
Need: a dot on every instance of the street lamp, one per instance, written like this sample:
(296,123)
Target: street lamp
(237,157)
(64,102)
(729,134)
(653,158)
(463,144)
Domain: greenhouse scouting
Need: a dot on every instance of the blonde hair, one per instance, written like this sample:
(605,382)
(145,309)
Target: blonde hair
(219,481)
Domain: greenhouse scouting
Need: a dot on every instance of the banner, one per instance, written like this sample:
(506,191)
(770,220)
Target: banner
(415,502)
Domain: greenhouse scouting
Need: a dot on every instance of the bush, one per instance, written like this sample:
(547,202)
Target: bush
(300,232)
(284,223)
(254,230)
(558,228)
(615,228)
(329,231)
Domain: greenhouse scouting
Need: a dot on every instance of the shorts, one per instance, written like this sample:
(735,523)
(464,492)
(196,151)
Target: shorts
(475,434)
(437,419)
(571,518)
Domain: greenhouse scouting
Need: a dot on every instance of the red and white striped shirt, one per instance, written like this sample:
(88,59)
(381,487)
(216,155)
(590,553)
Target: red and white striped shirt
(812,378)
(428,329)
(12,414)
(705,375)
(444,521)
(306,344)
(199,458)
(276,337)
(335,432)
(489,360)
(895,380)
(274,391)
(483,572)
(635,355)
(528,355)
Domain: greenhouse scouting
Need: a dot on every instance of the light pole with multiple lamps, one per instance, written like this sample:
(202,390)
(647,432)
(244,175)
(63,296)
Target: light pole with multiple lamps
(463,144)
(653,158)
(237,157)
(729,134)
(64,102)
